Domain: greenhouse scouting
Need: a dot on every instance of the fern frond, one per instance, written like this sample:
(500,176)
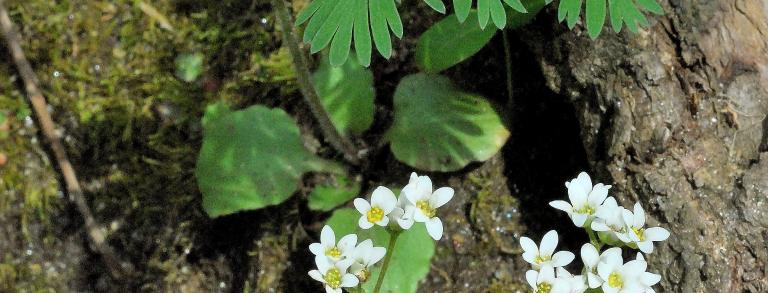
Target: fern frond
(622,12)
(338,22)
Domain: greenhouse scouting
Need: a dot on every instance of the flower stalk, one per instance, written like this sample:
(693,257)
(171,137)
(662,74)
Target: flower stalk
(390,251)
(338,141)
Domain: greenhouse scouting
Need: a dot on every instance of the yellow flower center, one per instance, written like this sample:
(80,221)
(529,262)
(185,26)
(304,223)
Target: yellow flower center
(540,259)
(544,287)
(333,278)
(333,252)
(375,215)
(586,209)
(640,233)
(425,208)
(615,281)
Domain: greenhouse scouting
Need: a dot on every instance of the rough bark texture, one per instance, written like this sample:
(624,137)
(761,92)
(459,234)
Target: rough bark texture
(676,116)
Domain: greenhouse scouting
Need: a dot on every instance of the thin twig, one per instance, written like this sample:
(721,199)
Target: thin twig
(338,141)
(96,238)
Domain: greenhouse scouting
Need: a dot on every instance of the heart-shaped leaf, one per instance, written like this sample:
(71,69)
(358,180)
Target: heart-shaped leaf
(412,254)
(440,128)
(347,93)
(250,159)
(449,42)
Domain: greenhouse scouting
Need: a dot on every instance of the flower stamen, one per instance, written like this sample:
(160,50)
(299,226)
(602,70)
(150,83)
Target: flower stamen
(334,252)
(333,278)
(640,232)
(544,287)
(375,215)
(615,281)
(426,208)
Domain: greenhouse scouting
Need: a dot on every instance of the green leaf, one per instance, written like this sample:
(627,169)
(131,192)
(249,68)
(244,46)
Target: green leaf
(412,254)
(437,5)
(189,66)
(338,22)
(487,9)
(570,10)
(595,17)
(329,196)
(347,93)
(449,42)
(251,159)
(440,128)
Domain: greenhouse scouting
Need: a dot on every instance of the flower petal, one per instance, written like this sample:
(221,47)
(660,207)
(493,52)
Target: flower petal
(531,276)
(649,279)
(347,243)
(419,216)
(405,224)
(546,274)
(639,216)
(548,243)
(323,263)
(328,289)
(383,198)
(656,234)
(634,267)
(579,188)
(530,256)
(435,228)
(645,246)
(441,196)
(579,219)
(327,238)
(593,280)
(384,222)
(362,205)
(561,205)
(528,245)
(315,274)
(349,280)
(589,255)
(364,224)
(562,258)
(316,249)
(375,255)
(598,194)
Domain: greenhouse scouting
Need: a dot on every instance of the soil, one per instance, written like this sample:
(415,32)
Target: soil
(669,116)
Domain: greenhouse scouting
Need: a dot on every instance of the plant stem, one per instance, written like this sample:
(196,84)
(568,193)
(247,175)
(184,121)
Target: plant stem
(508,66)
(339,142)
(390,251)
(593,238)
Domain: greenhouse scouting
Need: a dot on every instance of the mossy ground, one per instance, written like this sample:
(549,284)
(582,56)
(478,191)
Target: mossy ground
(132,127)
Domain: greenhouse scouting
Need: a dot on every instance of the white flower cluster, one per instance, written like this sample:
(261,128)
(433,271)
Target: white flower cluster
(590,207)
(343,264)
(347,263)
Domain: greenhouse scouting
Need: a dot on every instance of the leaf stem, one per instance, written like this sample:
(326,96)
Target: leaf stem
(339,142)
(593,238)
(508,67)
(390,251)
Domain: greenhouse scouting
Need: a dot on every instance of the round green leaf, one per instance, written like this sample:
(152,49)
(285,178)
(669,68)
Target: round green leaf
(329,196)
(440,128)
(250,159)
(412,255)
(347,93)
(449,42)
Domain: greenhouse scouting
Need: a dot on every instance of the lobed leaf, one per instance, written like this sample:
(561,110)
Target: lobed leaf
(448,42)
(251,159)
(622,12)
(347,93)
(440,128)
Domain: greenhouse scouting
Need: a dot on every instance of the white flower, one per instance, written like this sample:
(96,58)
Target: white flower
(591,259)
(544,281)
(585,199)
(609,219)
(540,256)
(383,201)
(629,277)
(575,283)
(640,236)
(420,194)
(365,256)
(334,275)
(403,212)
(327,248)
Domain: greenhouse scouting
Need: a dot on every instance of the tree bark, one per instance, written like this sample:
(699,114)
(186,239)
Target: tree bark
(675,115)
